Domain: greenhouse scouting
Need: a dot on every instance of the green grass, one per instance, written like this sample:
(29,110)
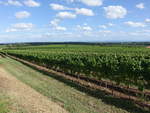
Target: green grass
(71,96)
(4,104)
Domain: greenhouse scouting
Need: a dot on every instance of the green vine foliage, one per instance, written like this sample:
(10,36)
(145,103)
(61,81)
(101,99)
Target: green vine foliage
(122,67)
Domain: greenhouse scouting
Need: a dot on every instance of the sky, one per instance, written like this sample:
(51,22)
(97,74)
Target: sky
(74,20)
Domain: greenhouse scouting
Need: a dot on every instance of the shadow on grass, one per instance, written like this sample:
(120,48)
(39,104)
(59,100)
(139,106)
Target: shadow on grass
(106,98)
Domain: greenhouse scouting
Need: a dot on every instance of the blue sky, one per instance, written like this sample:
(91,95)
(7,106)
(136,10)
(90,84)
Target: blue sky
(74,20)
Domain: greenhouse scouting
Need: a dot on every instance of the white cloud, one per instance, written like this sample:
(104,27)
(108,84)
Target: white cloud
(55,25)
(11,30)
(20,27)
(106,25)
(31,3)
(92,2)
(70,1)
(135,24)
(140,6)
(60,28)
(110,24)
(84,11)
(84,28)
(140,33)
(55,22)
(103,26)
(14,2)
(146,30)
(64,15)
(114,12)
(147,20)
(105,31)
(87,28)
(22,14)
(23,26)
(11,2)
(58,7)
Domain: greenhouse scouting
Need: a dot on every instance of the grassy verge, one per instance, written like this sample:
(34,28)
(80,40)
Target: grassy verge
(74,98)
(4,104)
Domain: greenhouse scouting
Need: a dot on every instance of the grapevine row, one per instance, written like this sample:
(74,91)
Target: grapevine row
(121,68)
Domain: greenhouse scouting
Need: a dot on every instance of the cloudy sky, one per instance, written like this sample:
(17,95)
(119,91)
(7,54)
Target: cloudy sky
(74,20)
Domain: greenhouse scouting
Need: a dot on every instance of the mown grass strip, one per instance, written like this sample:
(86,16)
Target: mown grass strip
(4,104)
(72,97)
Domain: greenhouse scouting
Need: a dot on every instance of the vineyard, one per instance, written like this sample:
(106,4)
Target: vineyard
(122,65)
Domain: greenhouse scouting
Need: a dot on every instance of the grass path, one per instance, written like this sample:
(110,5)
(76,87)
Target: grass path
(72,97)
(4,103)
(29,100)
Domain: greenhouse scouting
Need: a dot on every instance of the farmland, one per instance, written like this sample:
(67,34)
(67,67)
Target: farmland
(120,65)
(123,65)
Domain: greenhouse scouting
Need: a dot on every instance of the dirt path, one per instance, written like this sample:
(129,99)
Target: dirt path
(26,97)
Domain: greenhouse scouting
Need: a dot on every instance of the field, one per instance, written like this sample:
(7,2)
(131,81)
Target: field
(122,66)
